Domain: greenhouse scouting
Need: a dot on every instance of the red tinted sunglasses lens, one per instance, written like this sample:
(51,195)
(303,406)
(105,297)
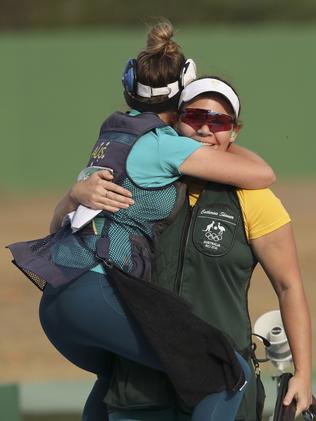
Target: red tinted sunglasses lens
(220,123)
(194,118)
(216,122)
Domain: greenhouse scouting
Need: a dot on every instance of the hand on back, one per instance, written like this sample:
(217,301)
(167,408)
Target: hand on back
(99,192)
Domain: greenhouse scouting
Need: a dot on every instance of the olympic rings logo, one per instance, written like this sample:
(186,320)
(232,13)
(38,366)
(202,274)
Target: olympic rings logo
(213,236)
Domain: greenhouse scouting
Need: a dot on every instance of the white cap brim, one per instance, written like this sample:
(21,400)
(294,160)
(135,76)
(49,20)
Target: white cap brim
(205,85)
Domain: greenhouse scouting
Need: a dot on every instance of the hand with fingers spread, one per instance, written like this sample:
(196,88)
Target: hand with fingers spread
(99,192)
(299,389)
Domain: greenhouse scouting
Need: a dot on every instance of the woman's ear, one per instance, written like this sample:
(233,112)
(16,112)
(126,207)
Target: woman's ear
(234,133)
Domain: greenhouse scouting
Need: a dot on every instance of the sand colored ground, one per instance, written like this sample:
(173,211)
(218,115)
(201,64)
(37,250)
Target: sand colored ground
(26,354)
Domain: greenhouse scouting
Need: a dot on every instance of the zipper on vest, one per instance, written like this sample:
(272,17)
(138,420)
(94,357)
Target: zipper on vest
(184,240)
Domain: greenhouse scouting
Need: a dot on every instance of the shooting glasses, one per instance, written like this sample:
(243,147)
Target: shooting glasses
(216,122)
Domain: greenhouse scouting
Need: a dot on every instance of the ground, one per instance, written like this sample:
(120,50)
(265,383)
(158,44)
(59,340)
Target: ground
(26,354)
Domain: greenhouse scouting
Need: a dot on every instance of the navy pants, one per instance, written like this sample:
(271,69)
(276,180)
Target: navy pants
(87,323)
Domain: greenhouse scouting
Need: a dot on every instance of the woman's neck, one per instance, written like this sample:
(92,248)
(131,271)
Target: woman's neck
(169,117)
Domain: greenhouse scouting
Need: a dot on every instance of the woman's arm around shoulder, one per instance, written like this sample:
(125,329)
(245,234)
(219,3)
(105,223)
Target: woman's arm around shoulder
(237,166)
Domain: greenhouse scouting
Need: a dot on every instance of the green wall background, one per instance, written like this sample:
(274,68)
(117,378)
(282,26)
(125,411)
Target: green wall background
(57,87)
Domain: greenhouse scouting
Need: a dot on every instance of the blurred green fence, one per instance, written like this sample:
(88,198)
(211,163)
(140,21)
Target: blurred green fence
(57,87)
(10,403)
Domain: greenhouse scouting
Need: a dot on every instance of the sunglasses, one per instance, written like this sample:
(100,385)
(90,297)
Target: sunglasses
(216,122)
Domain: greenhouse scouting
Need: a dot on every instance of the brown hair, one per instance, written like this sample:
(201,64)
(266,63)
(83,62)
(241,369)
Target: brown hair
(159,64)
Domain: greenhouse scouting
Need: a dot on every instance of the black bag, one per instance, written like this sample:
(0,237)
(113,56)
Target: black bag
(282,412)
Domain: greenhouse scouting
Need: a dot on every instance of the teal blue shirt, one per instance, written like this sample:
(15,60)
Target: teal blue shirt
(156,157)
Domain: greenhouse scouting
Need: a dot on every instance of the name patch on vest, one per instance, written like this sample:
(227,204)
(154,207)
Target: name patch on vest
(214,229)
(99,151)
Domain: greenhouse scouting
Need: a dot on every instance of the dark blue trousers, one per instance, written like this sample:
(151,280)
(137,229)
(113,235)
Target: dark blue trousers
(87,323)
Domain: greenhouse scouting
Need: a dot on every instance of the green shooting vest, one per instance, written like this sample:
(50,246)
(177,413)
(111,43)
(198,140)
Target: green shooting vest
(204,257)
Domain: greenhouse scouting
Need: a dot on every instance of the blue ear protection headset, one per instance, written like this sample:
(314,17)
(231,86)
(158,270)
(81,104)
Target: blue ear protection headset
(134,89)
(129,79)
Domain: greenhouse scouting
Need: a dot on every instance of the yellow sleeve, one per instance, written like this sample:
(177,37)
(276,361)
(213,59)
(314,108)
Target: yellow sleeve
(195,187)
(262,211)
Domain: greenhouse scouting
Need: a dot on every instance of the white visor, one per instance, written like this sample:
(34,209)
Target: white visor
(148,92)
(205,85)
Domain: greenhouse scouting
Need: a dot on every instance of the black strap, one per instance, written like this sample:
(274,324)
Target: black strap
(281,412)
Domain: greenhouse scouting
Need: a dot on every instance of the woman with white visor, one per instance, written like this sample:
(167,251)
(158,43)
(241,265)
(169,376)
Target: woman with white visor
(216,262)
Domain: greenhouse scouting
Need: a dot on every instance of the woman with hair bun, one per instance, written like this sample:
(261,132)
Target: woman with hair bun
(98,300)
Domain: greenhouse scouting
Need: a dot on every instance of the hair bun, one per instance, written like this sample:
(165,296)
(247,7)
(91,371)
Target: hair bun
(160,41)
(158,65)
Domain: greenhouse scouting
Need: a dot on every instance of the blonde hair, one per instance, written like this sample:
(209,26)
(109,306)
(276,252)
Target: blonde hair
(159,40)
(161,62)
